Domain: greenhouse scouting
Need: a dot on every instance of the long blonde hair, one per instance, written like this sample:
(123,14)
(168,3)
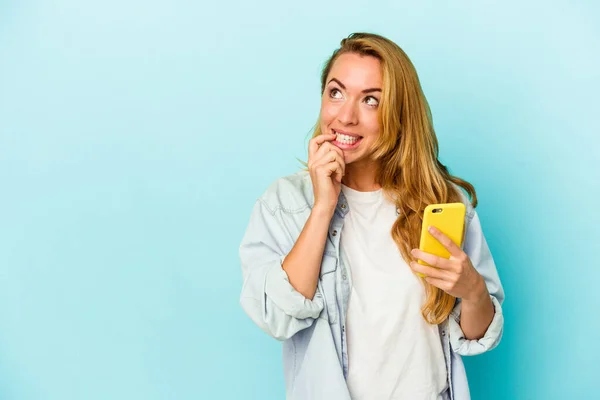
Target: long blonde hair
(407,149)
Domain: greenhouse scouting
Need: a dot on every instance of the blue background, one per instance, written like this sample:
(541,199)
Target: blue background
(135,137)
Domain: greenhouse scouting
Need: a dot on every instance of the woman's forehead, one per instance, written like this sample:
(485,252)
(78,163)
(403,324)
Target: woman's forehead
(356,72)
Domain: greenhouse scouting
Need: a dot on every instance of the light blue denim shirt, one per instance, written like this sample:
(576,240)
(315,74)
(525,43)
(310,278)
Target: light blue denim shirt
(315,352)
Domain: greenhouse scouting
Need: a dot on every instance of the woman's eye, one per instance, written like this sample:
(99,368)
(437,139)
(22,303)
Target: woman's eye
(332,93)
(372,101)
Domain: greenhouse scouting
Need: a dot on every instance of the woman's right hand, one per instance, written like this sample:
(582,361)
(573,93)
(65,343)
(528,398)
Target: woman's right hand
(326,167)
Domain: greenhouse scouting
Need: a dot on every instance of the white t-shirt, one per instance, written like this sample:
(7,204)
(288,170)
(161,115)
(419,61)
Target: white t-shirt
(392,352)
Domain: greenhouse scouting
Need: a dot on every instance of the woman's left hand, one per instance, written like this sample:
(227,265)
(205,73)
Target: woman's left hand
(456,275)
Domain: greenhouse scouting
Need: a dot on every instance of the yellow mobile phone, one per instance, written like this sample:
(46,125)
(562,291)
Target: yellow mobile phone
(449,218)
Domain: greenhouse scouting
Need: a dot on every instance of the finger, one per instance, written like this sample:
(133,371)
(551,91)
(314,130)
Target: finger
(445,241)
(317,156)
(432,259)
(336,171)
(340,155)
(428,271)
(328,157)
(329,153)
(343,165)
(336,149)
(339,158)
(325,148)
(317,141)
(438,283)
(340,175)
(330,169)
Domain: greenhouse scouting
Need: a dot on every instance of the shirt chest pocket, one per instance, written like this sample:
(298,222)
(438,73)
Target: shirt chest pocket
(327,281)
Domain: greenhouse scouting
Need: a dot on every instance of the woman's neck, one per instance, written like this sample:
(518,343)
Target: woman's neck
(362,176)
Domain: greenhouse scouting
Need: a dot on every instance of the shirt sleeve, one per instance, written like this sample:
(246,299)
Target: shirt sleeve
(478,251)
(267,295)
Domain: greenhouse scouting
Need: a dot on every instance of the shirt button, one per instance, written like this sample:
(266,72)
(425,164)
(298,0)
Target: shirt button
(344,276)
(343,206)
(334,233)
(343,328)
(443,333)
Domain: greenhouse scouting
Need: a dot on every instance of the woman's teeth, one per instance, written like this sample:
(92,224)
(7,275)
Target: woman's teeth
(345,139)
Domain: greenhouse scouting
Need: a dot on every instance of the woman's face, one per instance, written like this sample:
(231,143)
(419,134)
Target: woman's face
(350,103)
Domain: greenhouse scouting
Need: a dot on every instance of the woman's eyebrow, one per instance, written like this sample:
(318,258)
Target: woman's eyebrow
(344,87)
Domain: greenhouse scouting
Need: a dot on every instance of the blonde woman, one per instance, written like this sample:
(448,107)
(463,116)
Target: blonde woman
(329,256)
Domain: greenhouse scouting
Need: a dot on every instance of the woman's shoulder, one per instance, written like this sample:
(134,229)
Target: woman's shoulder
(290,193)
(464,198)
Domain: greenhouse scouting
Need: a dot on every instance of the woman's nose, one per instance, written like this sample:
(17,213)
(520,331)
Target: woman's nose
(348,114)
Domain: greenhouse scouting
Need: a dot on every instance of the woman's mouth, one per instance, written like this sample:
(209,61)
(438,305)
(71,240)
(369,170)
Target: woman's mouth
(346,141)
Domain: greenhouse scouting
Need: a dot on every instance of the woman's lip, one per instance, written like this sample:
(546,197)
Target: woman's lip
(346,146)
(346,133)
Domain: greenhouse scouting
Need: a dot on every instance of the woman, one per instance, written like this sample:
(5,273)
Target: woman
(329,256)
